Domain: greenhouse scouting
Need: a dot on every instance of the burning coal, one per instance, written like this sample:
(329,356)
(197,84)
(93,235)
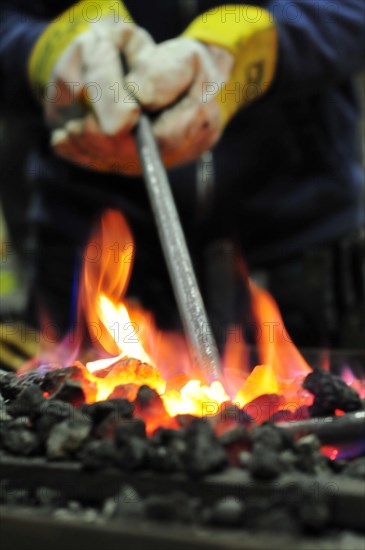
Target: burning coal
(131,350)
(131,359)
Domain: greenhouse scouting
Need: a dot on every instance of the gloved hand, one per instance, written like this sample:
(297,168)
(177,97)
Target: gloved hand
(75,69)
(225,59)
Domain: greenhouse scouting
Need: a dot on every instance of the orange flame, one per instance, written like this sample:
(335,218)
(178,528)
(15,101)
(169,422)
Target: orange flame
(105,277)
(133,352)
(275,347)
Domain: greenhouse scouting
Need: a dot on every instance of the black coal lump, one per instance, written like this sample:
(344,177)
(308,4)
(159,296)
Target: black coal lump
(269,443)
(245,459)
(337,465)
(146,396)
(133,427)
(166,458)
(96,455)
(167,450)
(265,463)
(17,438)
(239,434)
(133,454)
(53,412)
(71,392)
(309,456)
(28,402)
(355,469)
(4,415)
(204,453)
(288,460)
(10,386)
(31,378)
(330,393)
(164,436)
(227,512)
(67,437)
(272,437)
(120,408)
(54,379)
(60,410)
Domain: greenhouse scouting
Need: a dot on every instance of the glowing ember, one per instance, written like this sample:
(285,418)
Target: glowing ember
(129,372)
(331,452)
(194,398)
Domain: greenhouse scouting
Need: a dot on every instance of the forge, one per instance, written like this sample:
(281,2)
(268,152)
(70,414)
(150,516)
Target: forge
(97,473)
(121,439)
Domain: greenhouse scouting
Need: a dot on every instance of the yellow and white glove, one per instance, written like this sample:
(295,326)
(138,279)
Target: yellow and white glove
(225,59)
(75,68)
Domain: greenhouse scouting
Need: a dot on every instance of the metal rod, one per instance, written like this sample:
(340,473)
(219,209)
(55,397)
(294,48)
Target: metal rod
(349,427)
(190,304)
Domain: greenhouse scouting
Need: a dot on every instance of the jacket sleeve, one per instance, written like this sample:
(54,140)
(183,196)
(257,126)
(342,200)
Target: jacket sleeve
(320,42)
(19,30)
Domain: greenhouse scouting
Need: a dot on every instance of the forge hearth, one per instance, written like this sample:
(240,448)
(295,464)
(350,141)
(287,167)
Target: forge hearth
(114,470)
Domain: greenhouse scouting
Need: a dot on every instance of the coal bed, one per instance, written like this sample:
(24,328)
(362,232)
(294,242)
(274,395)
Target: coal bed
(92,472)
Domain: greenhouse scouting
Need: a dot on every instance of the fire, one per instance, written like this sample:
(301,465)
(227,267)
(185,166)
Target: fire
(130,351)
(129,372)
(117,316)
(194,398)
(277,350)
(261,381)
(105,277)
